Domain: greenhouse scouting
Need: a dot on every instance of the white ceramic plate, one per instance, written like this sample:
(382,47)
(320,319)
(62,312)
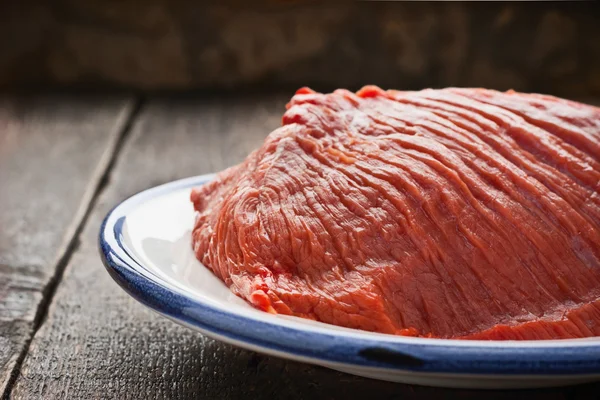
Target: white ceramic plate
(145,244)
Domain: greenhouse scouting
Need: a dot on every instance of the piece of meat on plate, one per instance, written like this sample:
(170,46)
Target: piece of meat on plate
(453,213)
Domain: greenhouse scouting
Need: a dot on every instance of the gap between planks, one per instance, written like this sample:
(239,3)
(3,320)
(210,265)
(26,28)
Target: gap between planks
(101,178)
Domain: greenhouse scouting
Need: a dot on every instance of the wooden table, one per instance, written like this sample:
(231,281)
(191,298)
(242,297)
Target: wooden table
(66,329)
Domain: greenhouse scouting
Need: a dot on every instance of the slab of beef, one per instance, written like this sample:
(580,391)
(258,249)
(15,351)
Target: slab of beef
(454,213)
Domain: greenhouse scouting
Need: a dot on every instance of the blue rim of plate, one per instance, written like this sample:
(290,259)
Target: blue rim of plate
(393,352)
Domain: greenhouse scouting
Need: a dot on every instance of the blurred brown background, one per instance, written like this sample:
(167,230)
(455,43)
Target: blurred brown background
(177,45)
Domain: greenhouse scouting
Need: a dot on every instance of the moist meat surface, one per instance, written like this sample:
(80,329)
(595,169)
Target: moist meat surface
(453,213)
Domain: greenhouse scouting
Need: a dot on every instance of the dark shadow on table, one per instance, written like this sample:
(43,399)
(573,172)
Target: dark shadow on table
(248,374)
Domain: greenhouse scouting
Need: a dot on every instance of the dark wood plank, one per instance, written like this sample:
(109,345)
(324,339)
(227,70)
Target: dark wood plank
(99,343)
(53,150)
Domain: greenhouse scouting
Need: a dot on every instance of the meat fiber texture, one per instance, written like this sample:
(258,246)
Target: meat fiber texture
(453,213)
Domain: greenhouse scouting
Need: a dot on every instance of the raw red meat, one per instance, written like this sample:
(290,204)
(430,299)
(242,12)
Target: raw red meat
(454,213)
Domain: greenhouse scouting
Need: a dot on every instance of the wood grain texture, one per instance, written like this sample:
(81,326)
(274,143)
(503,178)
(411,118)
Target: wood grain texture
(97,342)
(53,150)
